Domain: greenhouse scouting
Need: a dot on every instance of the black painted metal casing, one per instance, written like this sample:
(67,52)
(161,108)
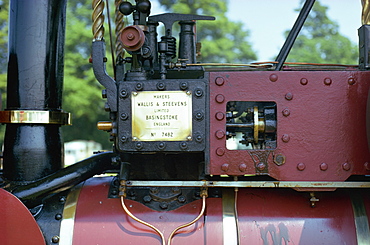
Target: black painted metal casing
(35,81)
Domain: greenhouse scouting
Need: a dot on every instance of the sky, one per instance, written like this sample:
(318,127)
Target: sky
(267,20)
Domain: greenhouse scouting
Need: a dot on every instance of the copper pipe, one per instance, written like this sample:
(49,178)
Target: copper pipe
(191,222)
(141,221)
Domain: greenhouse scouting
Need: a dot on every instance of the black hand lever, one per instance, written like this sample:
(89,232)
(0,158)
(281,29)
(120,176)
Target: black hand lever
(169,18)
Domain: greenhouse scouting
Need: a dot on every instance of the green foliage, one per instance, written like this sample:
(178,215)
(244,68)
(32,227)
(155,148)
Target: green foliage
(4,5)
(82,93)
(321,42)
(222,40)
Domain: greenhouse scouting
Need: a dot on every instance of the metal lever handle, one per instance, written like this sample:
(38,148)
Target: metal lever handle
(169,18)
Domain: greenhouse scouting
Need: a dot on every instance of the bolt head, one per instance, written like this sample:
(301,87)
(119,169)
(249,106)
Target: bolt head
(163,205)
(181,199)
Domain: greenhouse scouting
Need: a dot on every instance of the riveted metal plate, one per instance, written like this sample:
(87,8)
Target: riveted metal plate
(162,115)
(319,123)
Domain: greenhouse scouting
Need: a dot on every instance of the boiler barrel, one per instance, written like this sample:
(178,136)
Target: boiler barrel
(264,216)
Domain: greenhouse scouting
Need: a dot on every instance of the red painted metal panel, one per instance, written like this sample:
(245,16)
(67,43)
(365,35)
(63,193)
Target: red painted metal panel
(277,216)
(17,225)
(100,220)
(266,216)
(322,138)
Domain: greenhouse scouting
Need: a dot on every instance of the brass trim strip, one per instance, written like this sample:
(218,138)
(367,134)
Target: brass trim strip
(361,220)
(229,219)
(251,184)
(68,221)
(39,117)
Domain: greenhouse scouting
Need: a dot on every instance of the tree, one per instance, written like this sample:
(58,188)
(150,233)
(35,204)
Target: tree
(82,93)
(4,4)
(321,42)
(222,40)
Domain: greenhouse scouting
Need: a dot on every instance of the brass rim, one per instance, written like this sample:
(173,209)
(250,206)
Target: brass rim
(36,117)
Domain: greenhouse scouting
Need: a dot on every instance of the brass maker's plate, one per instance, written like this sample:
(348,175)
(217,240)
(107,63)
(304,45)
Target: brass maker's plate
(161,116)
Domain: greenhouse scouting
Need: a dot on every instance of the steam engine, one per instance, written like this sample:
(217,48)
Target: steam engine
(202,153)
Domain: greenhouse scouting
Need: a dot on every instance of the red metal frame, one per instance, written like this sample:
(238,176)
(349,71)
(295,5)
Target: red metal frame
(321,123)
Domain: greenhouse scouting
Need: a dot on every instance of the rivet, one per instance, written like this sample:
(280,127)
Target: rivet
(288,96)
(58,216)
(346,166)
(220,151)
(286,112)
(351,81)
(161,86)
(62,200)
(303,81)
(161,145)
(199,116)
(261,166)
(124,116)
(323,166)
(139,86)
(220,134)
(367,166)
(327,81)
(273,77)
(139,145)
(199,138)
(123,93)
(123,139)
(220,98)
(199,92)
(301,166)
(225,167)
(285,138)
(55,239)
(183,145)
(220,81)
(183,85)
(220,116)
(242,167)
